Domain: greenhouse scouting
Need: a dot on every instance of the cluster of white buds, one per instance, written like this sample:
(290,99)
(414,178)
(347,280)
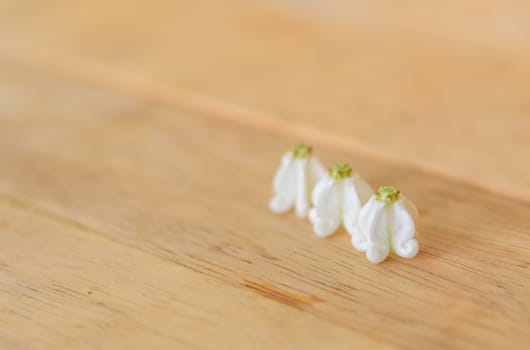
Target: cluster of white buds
(378,223)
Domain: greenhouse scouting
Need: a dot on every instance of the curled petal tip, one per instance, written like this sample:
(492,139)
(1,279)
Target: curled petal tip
(376,255)
(407,250)
(279,204)
(324,228)
(359,243)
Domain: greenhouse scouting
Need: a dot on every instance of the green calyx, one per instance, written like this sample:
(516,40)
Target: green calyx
(301,151)
(387,194)
(340,171)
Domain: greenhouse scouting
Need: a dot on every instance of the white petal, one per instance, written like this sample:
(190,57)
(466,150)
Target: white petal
(325,216)
(351,205)
(363,189)
(411,208)
(378,244)
(284,186)
(316,169)
(371,234)
(367,215)
(319,187)
(402,231)
(302,187)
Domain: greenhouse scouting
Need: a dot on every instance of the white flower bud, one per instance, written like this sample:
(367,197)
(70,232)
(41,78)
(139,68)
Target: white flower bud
(298,174)
(386,222)
(337,198)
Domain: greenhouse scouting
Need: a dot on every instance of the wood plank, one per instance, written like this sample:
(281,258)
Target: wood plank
(442,84)
(194,189)
(65,287)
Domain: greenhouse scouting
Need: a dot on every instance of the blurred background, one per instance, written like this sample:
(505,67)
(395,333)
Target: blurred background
(139,138)
(442,84)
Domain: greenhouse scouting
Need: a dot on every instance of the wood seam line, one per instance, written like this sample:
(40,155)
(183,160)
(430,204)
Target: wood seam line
(88,72)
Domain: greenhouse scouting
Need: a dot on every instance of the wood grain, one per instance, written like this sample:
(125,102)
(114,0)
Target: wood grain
(162,213)
(89,292)
(439,85)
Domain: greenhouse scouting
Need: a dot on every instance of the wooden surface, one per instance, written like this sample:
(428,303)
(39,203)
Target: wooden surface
(138,144)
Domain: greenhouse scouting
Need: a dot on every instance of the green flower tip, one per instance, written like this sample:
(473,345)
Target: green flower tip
(387,194)
(301,151)
(340,171)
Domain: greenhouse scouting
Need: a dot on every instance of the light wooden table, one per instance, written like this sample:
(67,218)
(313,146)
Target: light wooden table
(138,141)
